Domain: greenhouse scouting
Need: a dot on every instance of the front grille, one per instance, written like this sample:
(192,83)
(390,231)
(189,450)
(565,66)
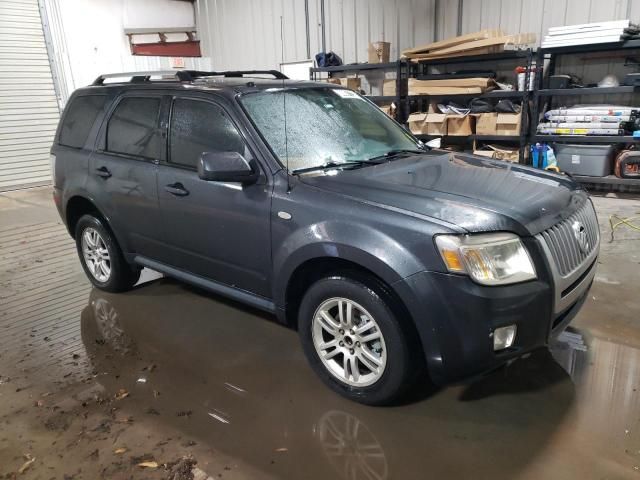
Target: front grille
(563,244)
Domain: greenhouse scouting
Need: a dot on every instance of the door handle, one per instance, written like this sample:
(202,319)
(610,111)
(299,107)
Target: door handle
(177,189)
(103,172)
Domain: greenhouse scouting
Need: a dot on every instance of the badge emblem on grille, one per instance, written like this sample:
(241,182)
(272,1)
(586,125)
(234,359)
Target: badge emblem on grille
(581,236)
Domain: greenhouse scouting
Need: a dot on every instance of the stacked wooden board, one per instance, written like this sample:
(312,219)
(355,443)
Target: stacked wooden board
(450,86)
(477,43)
(590,33)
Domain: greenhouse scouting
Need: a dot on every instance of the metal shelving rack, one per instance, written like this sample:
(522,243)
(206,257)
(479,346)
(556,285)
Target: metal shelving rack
(400,68)
(422,71)
(532,98)
(542,94)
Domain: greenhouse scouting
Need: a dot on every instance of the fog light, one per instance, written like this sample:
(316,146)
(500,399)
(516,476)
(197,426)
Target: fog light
(503,337)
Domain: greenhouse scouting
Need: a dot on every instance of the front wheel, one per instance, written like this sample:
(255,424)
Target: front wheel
(353,340)
(101,257)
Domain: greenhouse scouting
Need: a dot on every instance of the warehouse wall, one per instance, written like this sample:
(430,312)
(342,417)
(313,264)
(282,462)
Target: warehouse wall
(28,108)
(88,38)
(88,34)
(246,34)
(537,16)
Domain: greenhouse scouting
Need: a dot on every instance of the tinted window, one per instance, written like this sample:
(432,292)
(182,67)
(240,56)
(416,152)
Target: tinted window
(133,128)
(79,118)
(198,127)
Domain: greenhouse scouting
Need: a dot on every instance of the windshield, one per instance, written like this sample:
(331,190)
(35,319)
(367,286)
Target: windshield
(325,126)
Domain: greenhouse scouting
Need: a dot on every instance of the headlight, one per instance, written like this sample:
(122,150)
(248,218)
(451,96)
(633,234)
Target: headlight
(488,258)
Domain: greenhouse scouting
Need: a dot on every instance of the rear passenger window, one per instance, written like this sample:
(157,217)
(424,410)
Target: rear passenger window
(79,118)
(133,128)
(198,127)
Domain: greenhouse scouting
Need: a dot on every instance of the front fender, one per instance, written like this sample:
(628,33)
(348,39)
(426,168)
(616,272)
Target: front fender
(360,244)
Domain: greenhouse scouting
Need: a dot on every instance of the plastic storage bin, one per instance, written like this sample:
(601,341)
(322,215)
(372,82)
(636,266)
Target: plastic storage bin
(587,160)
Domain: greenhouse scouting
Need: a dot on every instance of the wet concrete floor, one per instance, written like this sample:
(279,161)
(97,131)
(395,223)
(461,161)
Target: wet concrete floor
(145,384)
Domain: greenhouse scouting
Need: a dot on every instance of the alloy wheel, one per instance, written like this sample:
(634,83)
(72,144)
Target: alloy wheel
(96,255)
(349,342)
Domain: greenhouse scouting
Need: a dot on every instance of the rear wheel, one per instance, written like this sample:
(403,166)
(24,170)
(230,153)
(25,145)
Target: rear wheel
(101,257)
(354,341)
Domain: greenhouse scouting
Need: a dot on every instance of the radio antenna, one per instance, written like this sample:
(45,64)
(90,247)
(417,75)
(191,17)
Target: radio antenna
(284,105)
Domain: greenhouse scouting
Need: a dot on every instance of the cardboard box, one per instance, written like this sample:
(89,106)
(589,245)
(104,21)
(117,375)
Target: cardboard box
(485,153)
(486,123)
(499,153)
(390,110)
(460,125)
(379,52)
(472,45)
(480,82)
(436,124)
(447,87)
(508,123)
(352,83)
(450,42)
(417,123)
(445,91)
(389,87)
(508,155)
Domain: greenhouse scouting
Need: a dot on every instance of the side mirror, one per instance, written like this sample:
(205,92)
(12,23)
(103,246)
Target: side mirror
(226,167)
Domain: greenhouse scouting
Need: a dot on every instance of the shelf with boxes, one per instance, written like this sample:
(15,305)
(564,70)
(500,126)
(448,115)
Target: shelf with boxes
(589,138)
(389,89)
(483,111)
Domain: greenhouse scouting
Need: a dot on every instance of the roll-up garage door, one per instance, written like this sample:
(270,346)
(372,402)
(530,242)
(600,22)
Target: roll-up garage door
(28,108)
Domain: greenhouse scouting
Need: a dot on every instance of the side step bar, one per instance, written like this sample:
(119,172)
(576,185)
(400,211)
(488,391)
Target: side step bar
(242,296)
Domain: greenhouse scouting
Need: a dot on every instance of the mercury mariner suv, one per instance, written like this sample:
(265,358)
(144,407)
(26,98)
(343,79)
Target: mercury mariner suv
(396,263)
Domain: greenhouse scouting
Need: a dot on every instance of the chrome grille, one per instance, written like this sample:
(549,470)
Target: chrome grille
(563,244)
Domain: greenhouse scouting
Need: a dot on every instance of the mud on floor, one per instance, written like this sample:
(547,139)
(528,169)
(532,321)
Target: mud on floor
(166,381)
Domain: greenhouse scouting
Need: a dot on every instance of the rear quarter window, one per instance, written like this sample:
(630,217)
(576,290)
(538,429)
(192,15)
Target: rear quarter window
(79,118)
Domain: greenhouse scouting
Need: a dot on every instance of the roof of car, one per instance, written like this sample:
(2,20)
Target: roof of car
(234,81)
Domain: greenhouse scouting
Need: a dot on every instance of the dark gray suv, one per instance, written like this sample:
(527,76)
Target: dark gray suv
(397,263)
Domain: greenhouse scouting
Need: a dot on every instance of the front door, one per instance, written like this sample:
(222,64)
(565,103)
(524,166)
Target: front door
(216,230)
(123,172)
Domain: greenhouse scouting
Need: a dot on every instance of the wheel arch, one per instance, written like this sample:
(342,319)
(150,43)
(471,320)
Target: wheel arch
(313,269)
(78,205)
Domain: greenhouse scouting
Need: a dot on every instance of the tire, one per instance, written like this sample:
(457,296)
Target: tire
(96,245)
(398,364)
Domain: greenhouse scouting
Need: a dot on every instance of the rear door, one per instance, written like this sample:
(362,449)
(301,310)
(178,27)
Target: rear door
(123,171)
(216,230)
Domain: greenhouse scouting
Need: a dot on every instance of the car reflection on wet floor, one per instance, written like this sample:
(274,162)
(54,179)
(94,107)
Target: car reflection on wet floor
(247,391)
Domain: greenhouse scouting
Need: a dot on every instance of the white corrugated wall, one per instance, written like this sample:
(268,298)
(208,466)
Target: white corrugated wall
(246,34)
(243,34)
(28,106)
(88,39)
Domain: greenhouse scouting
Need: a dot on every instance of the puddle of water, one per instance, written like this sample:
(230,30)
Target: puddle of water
(235,380)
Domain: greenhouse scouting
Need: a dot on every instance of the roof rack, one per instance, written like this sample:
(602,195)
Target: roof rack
(234,74)
(183,75)
(136,77)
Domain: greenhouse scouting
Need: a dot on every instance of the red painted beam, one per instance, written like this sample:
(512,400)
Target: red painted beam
(189,48)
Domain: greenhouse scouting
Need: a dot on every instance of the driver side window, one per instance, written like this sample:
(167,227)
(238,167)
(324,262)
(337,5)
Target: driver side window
(198,126)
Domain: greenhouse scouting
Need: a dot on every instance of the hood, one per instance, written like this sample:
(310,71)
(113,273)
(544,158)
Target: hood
(471,192)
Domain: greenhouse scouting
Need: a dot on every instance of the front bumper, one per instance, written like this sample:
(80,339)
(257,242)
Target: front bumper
(455,318)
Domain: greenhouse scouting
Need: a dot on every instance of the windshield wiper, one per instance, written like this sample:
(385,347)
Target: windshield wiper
(328,165)
(393,154)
